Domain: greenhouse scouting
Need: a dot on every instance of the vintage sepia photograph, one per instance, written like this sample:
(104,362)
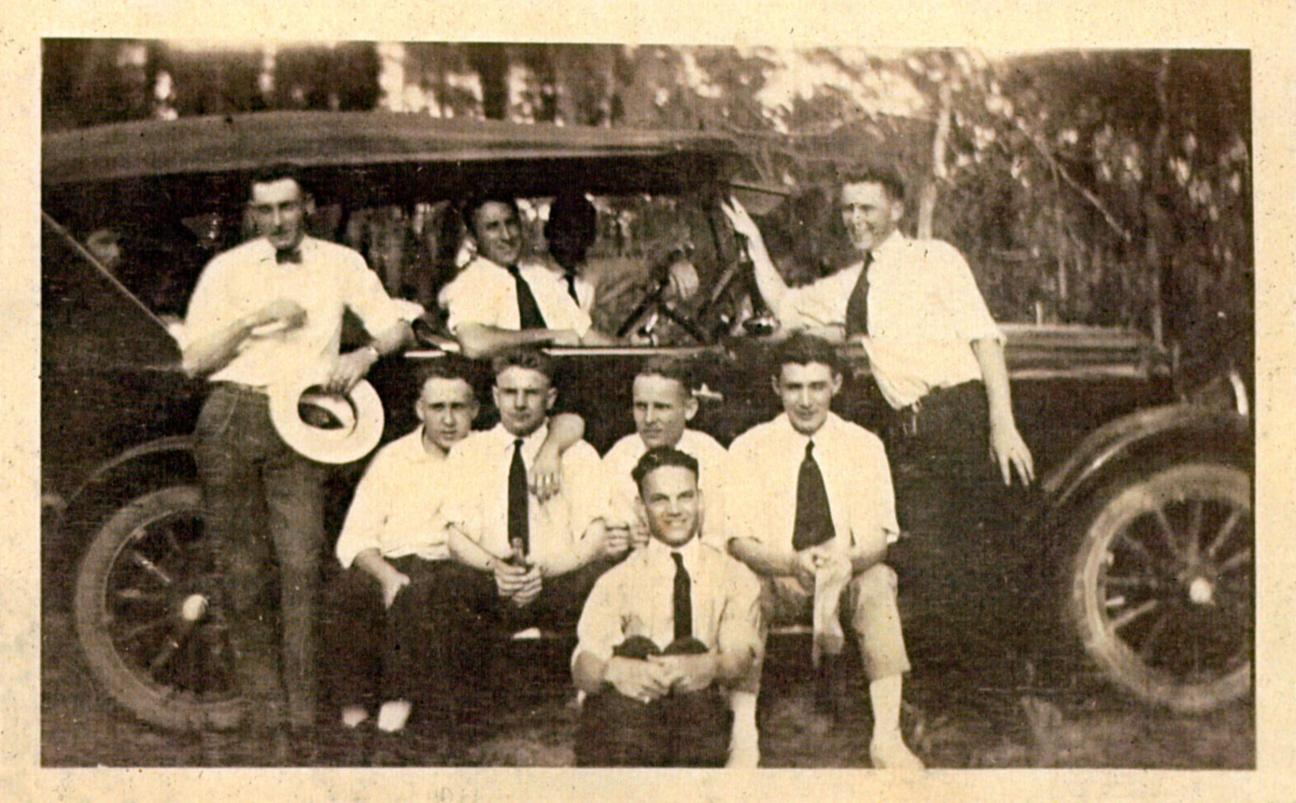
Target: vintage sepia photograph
(489,404)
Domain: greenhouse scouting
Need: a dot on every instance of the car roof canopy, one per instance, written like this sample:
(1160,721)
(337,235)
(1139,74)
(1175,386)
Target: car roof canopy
(200,164)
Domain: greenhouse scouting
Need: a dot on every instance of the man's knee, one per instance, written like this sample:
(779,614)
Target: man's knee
(877,582)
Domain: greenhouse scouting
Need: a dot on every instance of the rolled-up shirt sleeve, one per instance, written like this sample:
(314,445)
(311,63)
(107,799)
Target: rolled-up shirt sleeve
(964,303)
(738,631)
(366,297)
(599,630)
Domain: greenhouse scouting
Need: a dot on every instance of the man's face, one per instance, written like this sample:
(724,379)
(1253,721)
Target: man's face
(447,408)
(498,232)
(279,212)
(662,408)
(672,504)
(870,214)
(569,242)
(523,397)
(807,392)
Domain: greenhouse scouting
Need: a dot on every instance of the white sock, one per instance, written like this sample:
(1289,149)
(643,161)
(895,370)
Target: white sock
(353,715)
(743,704)
(884,694)
(392,715)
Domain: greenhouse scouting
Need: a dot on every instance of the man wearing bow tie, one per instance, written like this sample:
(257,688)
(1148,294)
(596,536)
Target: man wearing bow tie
(242,344)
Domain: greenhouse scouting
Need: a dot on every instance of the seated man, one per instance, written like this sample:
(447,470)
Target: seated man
(386,613)
(535,560)
(649,705)
(570,231)
(494,305)
(810,509)
(663,404)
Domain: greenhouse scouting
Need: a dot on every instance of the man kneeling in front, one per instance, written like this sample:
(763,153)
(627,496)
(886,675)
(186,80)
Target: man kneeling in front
(660,631)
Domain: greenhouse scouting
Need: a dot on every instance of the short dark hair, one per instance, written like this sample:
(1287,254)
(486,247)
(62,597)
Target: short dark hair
(574,211)
(804,349)
(470,207)
(669,367)
(278,171)
(531,359)
(445,368)
(660,457)
(877,174)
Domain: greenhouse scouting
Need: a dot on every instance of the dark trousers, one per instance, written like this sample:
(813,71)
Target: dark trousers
(676,730)
(375,654)
(951,500)
(263,511)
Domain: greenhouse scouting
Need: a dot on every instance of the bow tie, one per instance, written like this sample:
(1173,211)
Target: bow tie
(283,255)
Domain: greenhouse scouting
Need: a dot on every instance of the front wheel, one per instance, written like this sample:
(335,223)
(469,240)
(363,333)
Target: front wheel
(1160,589)
(145,614)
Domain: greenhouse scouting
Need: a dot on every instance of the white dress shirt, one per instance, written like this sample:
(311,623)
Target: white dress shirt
(486,293)
(585,291)
(478,507)
(397,507)
(924,311)
(760,482)
(330,279)
(636,598)
(621,459)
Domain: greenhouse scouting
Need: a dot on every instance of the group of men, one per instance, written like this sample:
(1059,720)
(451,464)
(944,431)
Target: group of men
(457,539)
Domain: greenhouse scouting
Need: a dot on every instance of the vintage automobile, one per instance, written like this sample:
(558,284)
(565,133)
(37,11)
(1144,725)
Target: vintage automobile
(1136,546)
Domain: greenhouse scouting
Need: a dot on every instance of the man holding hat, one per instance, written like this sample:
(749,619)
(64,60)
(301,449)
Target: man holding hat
(661,630)
(262,312)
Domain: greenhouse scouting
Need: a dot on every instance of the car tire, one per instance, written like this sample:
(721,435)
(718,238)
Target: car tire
(132,584)
(1159,588)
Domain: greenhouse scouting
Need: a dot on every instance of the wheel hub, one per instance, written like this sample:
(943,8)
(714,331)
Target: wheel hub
(1201,591)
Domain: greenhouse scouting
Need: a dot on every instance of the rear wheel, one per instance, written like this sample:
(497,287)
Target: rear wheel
(144,614)
(1161,587)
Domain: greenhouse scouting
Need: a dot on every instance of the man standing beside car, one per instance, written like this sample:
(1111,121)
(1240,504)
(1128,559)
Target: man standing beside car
(267,309)
(495,304)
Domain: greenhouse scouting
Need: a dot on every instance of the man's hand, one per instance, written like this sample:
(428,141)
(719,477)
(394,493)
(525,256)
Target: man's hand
(617,540)
(1009,452)
(640,680)
(392,582)
(545,480)
(565,338)
(740,220)
(531,586)
(509,579)
(349,369)
(689,673)
(684,280)
(804,569)
(639,534)
(281,311)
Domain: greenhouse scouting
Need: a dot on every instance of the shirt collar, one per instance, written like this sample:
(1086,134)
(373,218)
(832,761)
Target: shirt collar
(824,432)
(660,554)
(885,254)
(530,443)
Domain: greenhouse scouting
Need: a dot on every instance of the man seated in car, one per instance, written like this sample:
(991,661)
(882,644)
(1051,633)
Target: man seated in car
(496,304)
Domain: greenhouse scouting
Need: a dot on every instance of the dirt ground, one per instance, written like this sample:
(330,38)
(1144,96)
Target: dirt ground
(953,719)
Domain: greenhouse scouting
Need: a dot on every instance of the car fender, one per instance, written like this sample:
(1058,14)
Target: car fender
(125,471)
(1187,429)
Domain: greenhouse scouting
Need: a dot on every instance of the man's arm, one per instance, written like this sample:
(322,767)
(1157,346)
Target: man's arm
(1007,448)
(209,353)
(768,280)
(565,430)
(351,367)
(480,341)
(372,563)
(769,561)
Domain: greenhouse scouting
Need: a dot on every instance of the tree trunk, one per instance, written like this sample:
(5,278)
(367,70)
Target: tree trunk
(940,143)
(491,63)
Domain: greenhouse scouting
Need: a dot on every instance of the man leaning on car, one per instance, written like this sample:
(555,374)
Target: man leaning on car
(267,309)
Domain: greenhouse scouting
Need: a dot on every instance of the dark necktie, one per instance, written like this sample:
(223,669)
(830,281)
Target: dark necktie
(283,255)
(813,515)
(571,288)
(519,524)
(529,316)
(857,304)
(683,601)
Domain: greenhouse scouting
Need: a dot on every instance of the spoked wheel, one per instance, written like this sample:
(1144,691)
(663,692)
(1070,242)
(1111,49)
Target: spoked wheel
(145,618)
(1162,585)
